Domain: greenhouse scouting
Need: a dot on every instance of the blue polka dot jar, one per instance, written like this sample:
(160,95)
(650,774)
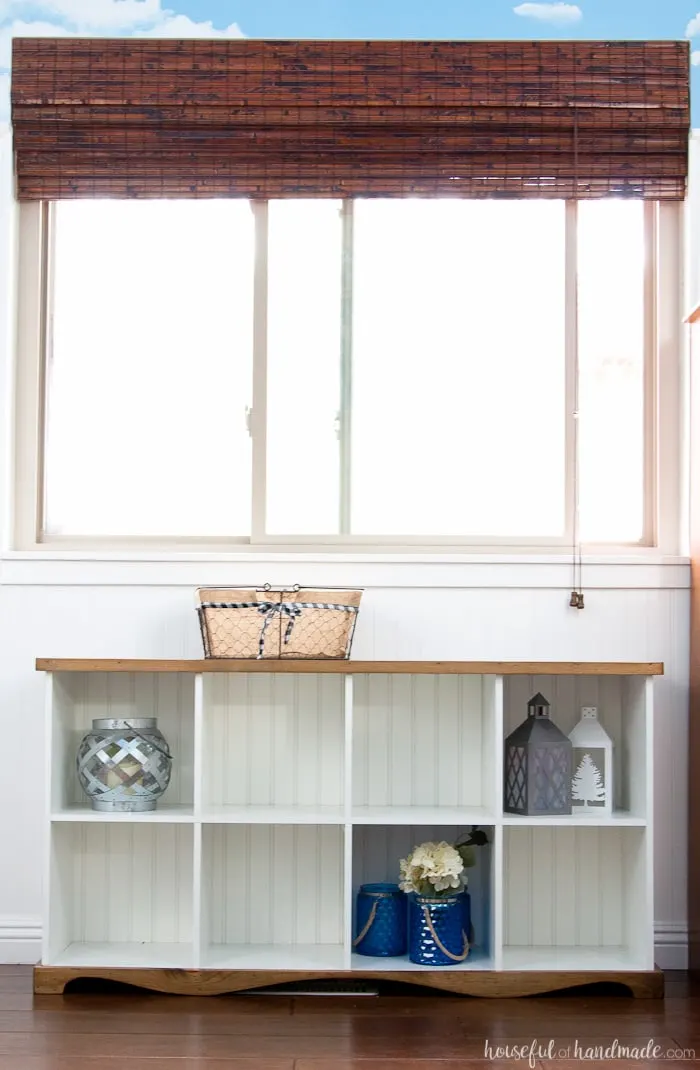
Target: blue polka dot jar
(438,930)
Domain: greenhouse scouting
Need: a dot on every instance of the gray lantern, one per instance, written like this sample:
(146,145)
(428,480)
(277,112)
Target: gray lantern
(537,765)
(124,766)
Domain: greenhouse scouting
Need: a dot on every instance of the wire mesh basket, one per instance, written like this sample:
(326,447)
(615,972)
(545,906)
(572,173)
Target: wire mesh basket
(266,622)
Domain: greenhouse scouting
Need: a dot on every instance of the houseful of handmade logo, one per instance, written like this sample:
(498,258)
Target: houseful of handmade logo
(585,1051)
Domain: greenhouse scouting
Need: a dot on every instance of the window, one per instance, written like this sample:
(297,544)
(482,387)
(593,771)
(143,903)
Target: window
(150,369)
(612,347)
(396,372)
(458,359)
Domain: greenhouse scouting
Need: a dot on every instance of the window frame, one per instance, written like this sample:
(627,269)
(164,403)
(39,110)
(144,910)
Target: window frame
(662,461)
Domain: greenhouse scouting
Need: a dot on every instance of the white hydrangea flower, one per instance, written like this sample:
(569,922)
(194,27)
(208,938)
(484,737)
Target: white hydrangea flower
(432,868)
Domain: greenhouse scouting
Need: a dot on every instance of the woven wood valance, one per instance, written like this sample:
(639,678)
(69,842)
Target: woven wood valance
(266,119)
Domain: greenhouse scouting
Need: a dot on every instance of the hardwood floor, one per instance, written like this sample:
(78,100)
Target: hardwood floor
(134,1030)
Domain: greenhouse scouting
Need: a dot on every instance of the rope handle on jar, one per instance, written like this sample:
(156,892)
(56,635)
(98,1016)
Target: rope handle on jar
(438,941)
(368,925)
(150,742)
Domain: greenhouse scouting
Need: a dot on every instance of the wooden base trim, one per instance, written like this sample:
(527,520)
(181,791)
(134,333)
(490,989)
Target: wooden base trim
(51,980)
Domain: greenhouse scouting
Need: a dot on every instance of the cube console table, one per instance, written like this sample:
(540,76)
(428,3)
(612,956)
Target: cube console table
(296,781)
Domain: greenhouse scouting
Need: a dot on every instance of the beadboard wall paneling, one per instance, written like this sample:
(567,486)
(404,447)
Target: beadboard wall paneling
(490,622)
(267,739)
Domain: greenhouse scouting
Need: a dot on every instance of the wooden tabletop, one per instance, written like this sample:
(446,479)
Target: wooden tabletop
(346,667)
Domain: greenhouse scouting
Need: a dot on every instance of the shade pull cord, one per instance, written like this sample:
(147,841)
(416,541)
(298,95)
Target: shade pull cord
(576,600)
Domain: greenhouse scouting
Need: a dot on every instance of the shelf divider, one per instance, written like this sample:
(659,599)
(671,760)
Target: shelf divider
(348,700)
(198,745)
(49,780)
(495,693)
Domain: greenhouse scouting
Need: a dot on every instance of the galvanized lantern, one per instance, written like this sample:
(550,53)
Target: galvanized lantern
(124,765)
(592,766)
(537,765)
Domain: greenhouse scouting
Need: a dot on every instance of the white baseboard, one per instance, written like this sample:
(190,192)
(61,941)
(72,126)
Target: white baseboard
(671,945)
(20,942)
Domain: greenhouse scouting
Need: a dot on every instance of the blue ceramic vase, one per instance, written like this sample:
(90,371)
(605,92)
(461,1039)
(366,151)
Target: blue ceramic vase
(437,933)
(381,921)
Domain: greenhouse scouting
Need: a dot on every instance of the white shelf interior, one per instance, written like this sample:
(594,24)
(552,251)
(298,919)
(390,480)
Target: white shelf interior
(79,698)
(274,815)
(269,889)
(289,791)
(421,815)
(166,813)
(571,893)
(569,958)
(376,852)
(273,742)
(121,894)
(622,709)
(425,744)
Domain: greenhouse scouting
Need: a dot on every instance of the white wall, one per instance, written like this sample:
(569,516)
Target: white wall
(450,610)
(471,608)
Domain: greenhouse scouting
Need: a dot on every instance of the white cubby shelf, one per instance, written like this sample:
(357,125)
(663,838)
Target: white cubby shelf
(296,782)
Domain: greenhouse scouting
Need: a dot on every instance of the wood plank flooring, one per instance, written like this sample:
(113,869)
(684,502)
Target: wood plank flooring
(135,1030)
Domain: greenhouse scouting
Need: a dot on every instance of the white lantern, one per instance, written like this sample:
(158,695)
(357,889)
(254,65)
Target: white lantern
(592,766)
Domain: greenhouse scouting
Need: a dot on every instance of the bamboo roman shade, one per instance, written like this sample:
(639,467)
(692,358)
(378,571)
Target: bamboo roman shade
(220,118)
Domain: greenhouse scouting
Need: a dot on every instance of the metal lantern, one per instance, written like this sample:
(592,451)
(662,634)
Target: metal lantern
(537,765)
(592,766)
(124,766)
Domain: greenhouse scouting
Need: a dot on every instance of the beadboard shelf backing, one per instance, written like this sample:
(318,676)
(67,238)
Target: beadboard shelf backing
(272,886)
(273,741)
(290,789)
(431,668)
(424,741)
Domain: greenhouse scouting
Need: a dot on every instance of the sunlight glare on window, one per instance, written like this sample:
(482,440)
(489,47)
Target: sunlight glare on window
(459,368)
(611,265)
(303,366)
(151,369)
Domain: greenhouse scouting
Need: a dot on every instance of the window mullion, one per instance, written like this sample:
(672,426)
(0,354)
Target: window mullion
(650,533)
(664,412)
(30,398)
(345,414)
(258,415)
(571,389)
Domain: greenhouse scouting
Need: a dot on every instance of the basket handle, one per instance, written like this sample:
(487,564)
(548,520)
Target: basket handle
(277,590)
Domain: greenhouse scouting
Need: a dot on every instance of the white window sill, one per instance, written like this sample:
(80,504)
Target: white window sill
(342,556)
(643,569)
